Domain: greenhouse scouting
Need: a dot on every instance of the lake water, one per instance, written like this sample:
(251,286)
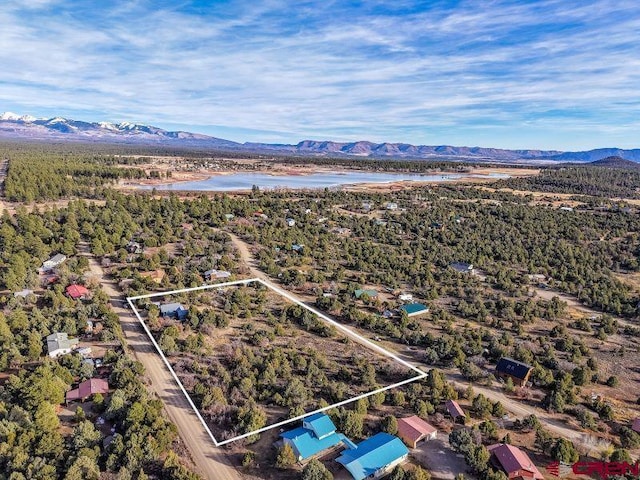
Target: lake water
(246,180)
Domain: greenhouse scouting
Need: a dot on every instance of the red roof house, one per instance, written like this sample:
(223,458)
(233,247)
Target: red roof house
(87,388)
(76,291)
(414,429)
(515,463)
(635,426)
(454,409)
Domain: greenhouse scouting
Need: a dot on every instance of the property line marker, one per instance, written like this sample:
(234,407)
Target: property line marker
(350,333)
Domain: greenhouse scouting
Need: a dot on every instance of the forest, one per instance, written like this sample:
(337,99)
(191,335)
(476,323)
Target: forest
(581,180)
(517,247)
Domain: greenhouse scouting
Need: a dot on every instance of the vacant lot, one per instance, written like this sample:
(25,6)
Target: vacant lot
(249,359)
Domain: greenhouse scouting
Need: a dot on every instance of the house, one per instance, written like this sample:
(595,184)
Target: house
(59,343)
(414,429)
(413,309)
(519,372)
(216,274)
(381,223)
(229,216)
(566,209)
(76,291)
(635,426)
(369,293)
(23,293)
(134,247)
(374,457)
(88,388)
(387,313)
(317,434)
(291,222)
(513,461)
(55,261)
(462,267)
(155,276)
(175,310)
(391,206)
(454,410)
(367,206)
(405,297)
(297,247)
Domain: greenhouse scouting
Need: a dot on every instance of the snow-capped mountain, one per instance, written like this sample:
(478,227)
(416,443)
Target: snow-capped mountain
(17,126)
(59,128)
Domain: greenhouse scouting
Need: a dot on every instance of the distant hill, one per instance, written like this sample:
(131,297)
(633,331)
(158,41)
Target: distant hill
(615,162)
(598,154)
(27,127)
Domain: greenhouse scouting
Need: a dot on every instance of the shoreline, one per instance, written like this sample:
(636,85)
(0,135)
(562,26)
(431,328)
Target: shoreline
(479,175)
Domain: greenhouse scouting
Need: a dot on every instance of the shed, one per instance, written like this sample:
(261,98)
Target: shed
(374,457)
(291,222)
(413,309)
(454,410)
(519,372)
(514,462)
(414,429)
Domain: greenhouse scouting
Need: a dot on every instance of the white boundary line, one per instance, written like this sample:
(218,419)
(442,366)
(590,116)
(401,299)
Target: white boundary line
(288,296)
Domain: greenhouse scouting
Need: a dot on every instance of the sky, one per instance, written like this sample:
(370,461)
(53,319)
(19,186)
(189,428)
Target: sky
(548,74)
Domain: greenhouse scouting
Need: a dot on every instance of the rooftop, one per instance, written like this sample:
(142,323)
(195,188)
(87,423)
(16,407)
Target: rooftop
(513,367)
(87,388)
(414,308)
(77,291)
(512,459)
(372,454)
(370,293)
(454,408)
(414,428)
(321,435)
(320,423)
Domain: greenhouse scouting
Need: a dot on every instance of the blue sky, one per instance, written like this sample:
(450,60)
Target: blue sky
(550,74)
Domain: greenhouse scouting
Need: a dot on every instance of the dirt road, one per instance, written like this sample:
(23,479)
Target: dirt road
(210,460)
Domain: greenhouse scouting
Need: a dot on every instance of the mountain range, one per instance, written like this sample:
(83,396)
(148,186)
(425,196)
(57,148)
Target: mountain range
(25,127)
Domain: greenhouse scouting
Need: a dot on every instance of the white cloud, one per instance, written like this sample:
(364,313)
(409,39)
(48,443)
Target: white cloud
(312,74)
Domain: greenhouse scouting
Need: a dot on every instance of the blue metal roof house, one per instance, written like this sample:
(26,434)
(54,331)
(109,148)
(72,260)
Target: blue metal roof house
(175,310)
(318,433)
(374,457)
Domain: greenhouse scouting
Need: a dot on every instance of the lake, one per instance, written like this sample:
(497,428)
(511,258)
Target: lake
(246,180)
